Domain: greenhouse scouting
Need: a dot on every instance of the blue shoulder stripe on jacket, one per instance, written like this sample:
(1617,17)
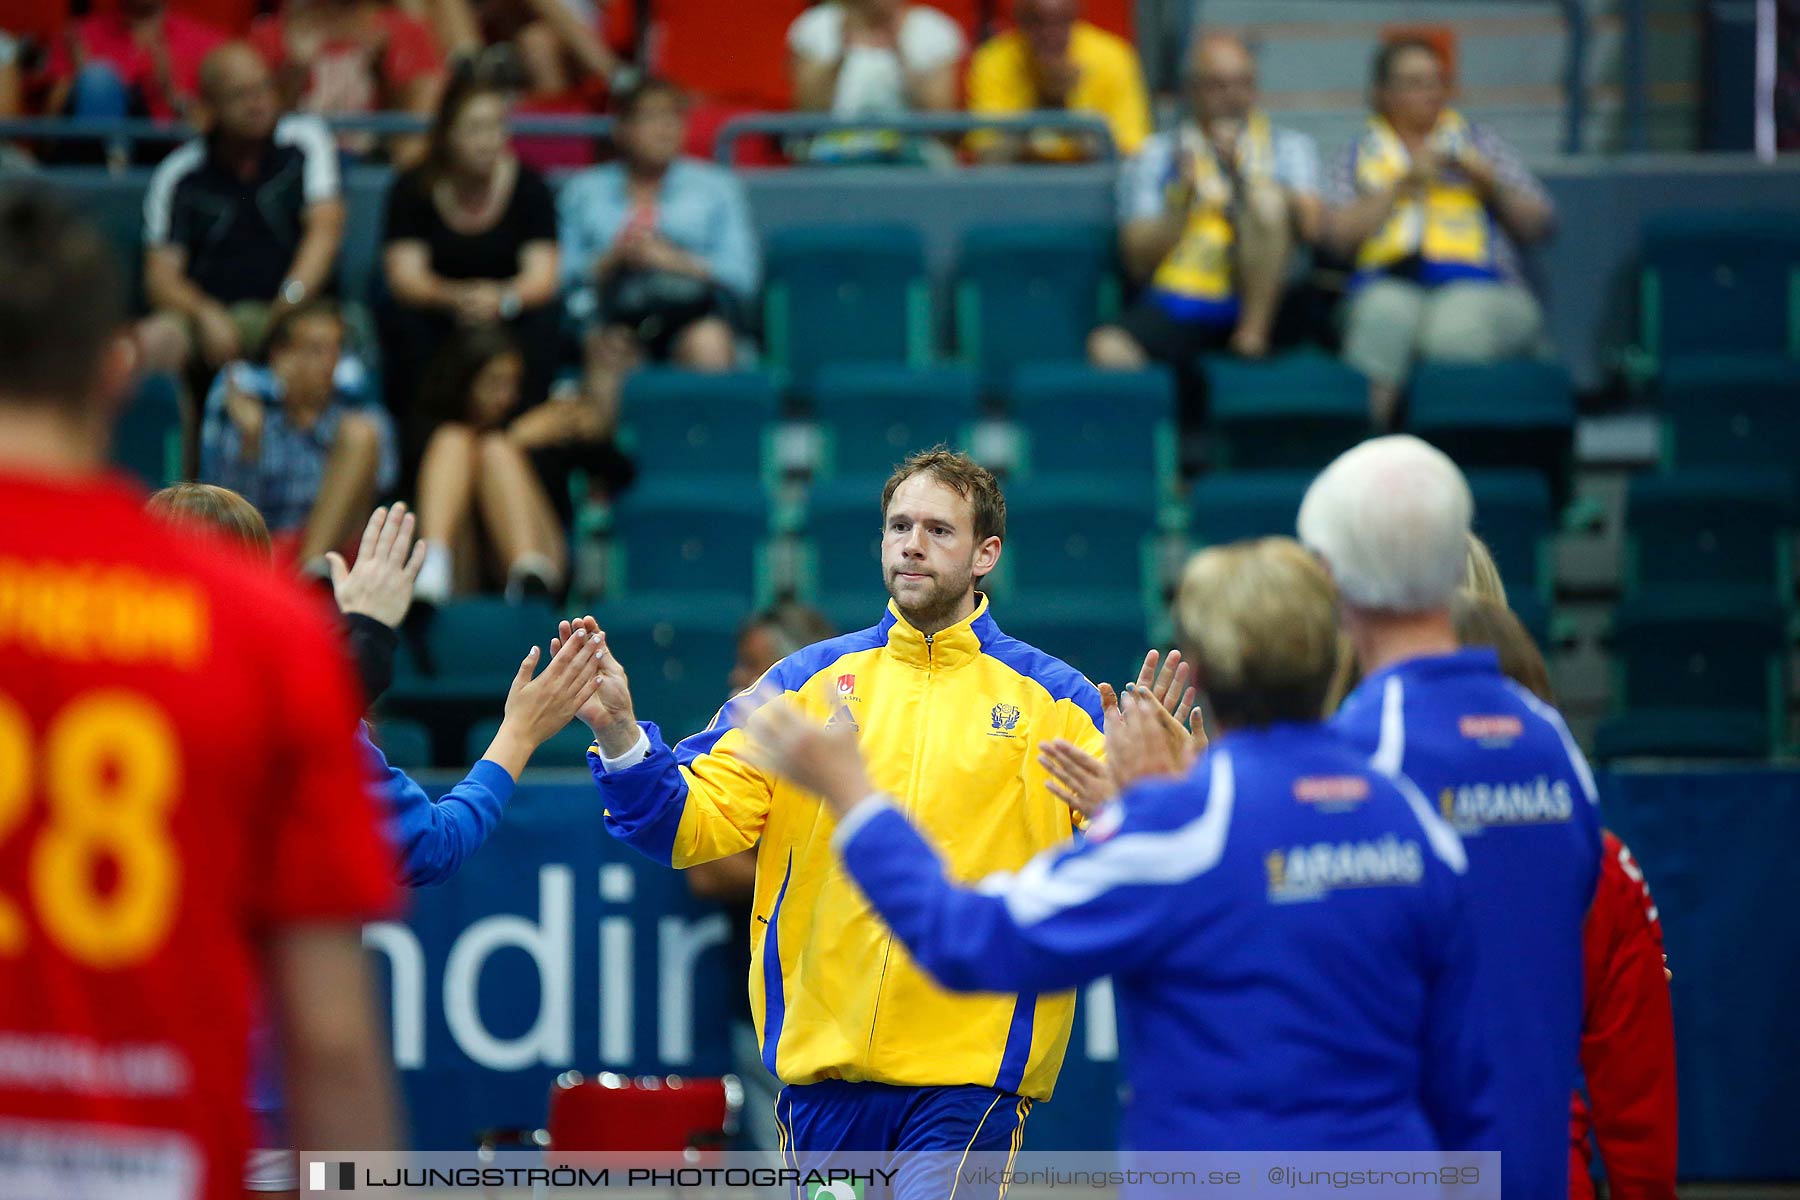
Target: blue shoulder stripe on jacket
(788,675)
(1062,681)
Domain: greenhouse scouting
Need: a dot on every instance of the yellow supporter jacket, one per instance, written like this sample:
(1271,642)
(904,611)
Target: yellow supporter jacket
(1110,85)
(950,725)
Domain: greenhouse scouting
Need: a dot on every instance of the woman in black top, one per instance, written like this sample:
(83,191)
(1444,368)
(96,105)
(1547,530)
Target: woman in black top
(471,241)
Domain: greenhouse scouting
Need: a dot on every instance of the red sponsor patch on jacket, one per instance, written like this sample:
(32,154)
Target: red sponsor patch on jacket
(1501,726)
(1331,789)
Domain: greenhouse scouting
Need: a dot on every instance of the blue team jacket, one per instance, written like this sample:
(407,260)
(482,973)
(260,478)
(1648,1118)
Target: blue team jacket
(434,838)
(1501,767)
(1286,933)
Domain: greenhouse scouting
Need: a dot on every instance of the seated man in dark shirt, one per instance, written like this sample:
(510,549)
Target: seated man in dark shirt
(240,225)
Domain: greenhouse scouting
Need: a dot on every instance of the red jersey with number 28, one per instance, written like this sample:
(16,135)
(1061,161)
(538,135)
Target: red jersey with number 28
(177,780)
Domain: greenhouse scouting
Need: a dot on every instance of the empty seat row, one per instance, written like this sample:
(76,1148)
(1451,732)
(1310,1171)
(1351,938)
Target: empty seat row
(1720,284)
(862,293)
(679,424)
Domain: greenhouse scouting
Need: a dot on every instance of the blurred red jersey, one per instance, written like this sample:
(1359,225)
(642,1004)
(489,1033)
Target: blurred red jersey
(177,779)
(1627,1041)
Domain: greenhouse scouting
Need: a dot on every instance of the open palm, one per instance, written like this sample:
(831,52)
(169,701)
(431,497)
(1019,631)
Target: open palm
(610,705)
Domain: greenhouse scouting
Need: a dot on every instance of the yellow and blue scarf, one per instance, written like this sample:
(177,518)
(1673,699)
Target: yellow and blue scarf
(1196,282)
(1449,230)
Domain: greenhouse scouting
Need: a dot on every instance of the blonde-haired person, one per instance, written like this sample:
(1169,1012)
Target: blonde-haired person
(214,510)
(1484,621)
(1189,891)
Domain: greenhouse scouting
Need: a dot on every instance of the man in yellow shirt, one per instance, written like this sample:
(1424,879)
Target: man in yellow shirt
(1056,60)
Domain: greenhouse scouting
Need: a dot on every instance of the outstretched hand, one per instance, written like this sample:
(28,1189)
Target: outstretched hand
(1138,745)
(538,709)
(1163,687)
(608,712)
(786,742)
(380,585)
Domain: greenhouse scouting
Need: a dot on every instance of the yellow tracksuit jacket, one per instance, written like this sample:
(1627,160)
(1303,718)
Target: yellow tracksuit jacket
(950,724)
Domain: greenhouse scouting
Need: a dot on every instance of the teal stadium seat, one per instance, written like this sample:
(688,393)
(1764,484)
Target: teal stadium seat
(690,538)
(147,441)
(1507,414)
(1681,733)
(1083,423)
(1075,536)
(689,424)
(472,647)
(874,415)
(566,749)
(1103,638)
(1514,517)
(1721,283)
(846,293)
(1031,293)
(1701,666)
(475,644)
(1232,506)
(1725,411)
(1297,411)
(843,535)
(678,654)
(1711,527)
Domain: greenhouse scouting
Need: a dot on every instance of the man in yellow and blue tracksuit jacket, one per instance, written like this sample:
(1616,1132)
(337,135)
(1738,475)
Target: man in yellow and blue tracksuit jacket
(873,1055)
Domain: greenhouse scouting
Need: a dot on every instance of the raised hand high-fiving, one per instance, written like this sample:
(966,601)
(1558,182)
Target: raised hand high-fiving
(608,712)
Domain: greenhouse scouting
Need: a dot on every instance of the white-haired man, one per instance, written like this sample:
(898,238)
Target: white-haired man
(1391,519)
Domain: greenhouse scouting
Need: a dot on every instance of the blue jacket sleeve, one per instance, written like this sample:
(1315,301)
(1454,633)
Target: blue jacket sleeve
(433,839)
(1073,914)
(1460,1100)
(644,801)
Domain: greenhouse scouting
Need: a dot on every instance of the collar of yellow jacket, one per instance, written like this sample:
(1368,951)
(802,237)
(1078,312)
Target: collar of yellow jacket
(948,649)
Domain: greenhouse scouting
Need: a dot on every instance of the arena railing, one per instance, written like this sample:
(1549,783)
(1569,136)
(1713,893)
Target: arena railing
(122,136)
(805,125)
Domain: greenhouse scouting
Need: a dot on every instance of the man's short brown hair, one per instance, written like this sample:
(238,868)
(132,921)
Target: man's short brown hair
(962,475)
(214,509)
(61,301)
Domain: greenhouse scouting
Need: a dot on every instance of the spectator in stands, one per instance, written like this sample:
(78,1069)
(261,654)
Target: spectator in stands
(1429,207)
(1209,217)
(298,440)
(859,58)
(130,58)
(556,45)
(471,242)
(349,57)
(1055,60)
(476,484)
(658,253)
(241,225)
(773,634)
